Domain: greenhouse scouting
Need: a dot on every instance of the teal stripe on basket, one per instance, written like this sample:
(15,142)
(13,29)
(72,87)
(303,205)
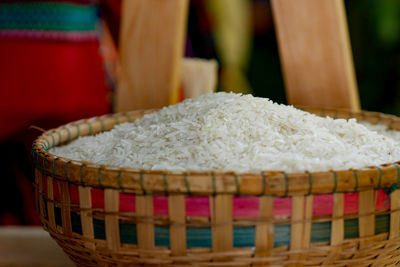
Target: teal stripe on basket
(199,237)
(321,232)
(244,236)
(281,235)
(382,224)
(161,236)
(350,228)
(76,223)
(99,229)
(128,233)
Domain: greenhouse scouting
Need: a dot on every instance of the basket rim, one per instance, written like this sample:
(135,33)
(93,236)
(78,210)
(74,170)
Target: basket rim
(268,182)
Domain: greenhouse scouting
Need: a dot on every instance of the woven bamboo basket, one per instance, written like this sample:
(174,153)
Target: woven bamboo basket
(105,215)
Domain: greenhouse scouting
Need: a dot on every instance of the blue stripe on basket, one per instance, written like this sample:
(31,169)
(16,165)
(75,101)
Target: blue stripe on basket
(320,232)
(99,229)
(382,224)
(350,228)
(199,237)
(57,215)
(76,223)
(161,236)
(281,235)
(127,233)
(243,236)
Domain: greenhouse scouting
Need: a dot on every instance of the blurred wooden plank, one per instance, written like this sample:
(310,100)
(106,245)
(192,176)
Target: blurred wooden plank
(151,48)
(315,53)
(30,246)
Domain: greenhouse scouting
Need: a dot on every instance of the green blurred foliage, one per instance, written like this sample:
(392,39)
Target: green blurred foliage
(264,70)
(375,38)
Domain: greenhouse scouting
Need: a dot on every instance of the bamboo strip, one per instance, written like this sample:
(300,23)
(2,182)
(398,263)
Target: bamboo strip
(249,184)
(221,211)
(395,216)
(177,233)
(337,228)
(297,229)
(307,225)
(66,208)
(41,200)
(264,239)
(111,205)
(366,224)
(85,203)
(145,231)
(50,204)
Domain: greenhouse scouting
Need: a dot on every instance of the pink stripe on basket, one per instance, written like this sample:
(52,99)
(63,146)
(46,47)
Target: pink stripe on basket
(127,202)
(245,206)
(382,201)
(350,203)
(56,192)
(323,205)
(73,194)
(160,205)
(197,206)
(97,198)
(282,207)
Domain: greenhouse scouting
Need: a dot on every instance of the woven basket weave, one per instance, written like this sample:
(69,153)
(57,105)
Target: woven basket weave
(105,215)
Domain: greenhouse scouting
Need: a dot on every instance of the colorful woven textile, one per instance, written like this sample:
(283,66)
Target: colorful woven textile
(49,20)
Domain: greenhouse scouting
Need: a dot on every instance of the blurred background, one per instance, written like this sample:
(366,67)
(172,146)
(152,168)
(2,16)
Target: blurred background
(59,63)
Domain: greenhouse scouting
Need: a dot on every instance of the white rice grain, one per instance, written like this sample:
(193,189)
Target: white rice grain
(233,132)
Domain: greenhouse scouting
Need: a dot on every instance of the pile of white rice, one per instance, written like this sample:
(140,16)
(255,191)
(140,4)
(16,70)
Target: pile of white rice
(236,132)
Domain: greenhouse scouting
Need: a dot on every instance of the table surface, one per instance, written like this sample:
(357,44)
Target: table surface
(30,246)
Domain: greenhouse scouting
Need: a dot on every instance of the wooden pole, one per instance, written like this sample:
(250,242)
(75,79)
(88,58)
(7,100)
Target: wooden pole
(151,47)
(315,53)
(318,70)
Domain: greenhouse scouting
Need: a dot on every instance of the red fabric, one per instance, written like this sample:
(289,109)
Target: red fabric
(49,79)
